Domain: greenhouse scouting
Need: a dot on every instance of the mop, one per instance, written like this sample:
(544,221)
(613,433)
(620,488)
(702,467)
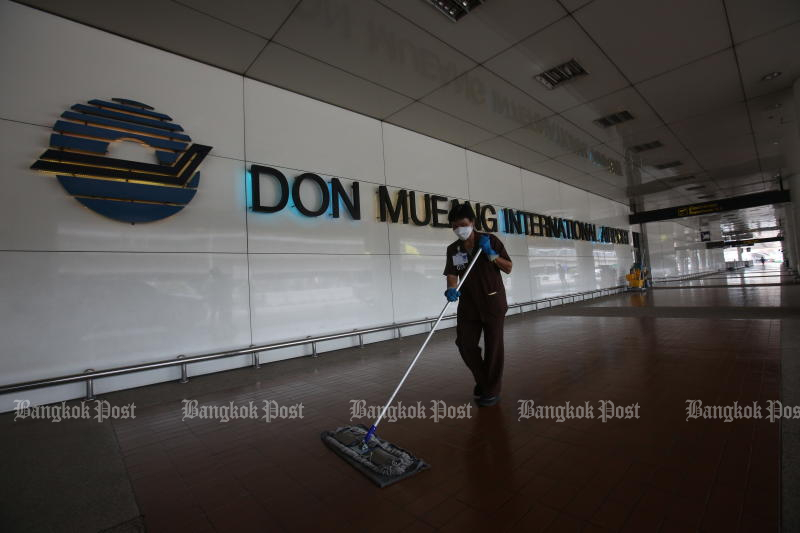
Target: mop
(380,460)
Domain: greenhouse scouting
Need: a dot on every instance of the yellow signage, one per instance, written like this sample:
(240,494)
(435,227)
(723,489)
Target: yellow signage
(699,209)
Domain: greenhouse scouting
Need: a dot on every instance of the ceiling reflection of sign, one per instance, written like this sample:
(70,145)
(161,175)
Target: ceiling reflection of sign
(128,191)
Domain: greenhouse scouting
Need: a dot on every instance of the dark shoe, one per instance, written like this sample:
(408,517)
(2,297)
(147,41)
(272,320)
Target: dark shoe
(488,401)
(476,392)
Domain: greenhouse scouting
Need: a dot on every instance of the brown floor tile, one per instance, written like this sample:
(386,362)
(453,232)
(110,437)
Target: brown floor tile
(493,472)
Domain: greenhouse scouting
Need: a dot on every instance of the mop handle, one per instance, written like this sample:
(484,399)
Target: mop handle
(374,427)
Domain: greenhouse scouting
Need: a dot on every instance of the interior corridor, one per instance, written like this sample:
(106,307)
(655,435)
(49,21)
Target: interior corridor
(719,340)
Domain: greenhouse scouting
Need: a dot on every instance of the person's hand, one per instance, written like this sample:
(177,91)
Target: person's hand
(452,294)
(486,245)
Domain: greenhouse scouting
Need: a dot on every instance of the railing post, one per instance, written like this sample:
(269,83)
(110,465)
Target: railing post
(360,340)
(256,359)
(184,371)
(89,385)
(399,333)
(314,350)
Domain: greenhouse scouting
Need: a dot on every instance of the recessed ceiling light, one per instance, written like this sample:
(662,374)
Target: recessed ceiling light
(776,142)
(613,119)
(453,9)
(561,73)
(652,145)
(670,164)
(771,76)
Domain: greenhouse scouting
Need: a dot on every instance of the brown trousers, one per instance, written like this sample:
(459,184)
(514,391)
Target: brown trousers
(487,370)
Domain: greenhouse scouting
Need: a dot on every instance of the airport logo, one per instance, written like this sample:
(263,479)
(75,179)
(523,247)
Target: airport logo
(121,189)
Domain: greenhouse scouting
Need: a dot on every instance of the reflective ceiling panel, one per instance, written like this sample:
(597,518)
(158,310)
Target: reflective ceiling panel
(703,120)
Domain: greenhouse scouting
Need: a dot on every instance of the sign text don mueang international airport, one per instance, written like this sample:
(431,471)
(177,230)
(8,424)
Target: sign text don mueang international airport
(421,209)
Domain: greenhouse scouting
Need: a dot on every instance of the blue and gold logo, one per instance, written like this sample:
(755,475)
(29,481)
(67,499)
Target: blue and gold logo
(128,191)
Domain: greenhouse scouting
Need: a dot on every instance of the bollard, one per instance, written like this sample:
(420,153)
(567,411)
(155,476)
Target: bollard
(184,371)
(89,385)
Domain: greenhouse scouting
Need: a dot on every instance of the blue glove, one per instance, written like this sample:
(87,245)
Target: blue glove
(452,294)
(486,246)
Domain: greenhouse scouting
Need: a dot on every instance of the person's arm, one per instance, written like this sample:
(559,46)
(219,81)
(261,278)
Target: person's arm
(496,252)
(452,278)
(503,264)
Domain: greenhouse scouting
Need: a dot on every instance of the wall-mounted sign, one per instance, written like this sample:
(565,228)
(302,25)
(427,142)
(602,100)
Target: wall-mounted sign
(129,191)
(724,204)
(420,209)
(739,244)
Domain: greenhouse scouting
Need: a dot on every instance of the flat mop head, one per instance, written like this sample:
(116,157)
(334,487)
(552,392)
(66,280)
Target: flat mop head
(381,461)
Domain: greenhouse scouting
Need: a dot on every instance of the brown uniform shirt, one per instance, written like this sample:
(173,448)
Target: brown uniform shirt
(483,292)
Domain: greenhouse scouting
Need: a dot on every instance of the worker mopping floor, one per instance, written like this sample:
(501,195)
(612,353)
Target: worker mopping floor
(380,460)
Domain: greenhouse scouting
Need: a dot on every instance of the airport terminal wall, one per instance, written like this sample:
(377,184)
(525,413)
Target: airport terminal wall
(81,290)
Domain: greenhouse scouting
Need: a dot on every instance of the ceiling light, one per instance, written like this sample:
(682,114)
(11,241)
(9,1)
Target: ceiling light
(771,76)
(646,146)
(561,73)
(453,9)
(613,119)
(670,164)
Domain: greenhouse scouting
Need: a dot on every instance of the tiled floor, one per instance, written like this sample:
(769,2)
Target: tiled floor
(493,471)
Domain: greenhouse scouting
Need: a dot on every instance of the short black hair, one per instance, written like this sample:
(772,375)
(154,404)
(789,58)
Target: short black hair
(459,211)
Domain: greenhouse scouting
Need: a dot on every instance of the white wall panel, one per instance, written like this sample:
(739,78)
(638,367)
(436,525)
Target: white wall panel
(602,211)
(574,202)
(57,63)
(554,275)
(516,244)
(285,129)
(518,283)
(299,295)
(418,286)
(64,312)
(540,194)
(421,163)
(39,214)
(492,181)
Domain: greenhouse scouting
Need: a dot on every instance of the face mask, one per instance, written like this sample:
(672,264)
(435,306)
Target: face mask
(463,232)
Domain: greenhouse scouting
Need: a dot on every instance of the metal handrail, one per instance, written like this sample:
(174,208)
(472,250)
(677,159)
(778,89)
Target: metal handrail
(183,361)
(685,277)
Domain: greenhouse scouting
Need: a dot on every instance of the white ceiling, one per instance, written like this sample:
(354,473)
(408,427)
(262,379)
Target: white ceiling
(689,72)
